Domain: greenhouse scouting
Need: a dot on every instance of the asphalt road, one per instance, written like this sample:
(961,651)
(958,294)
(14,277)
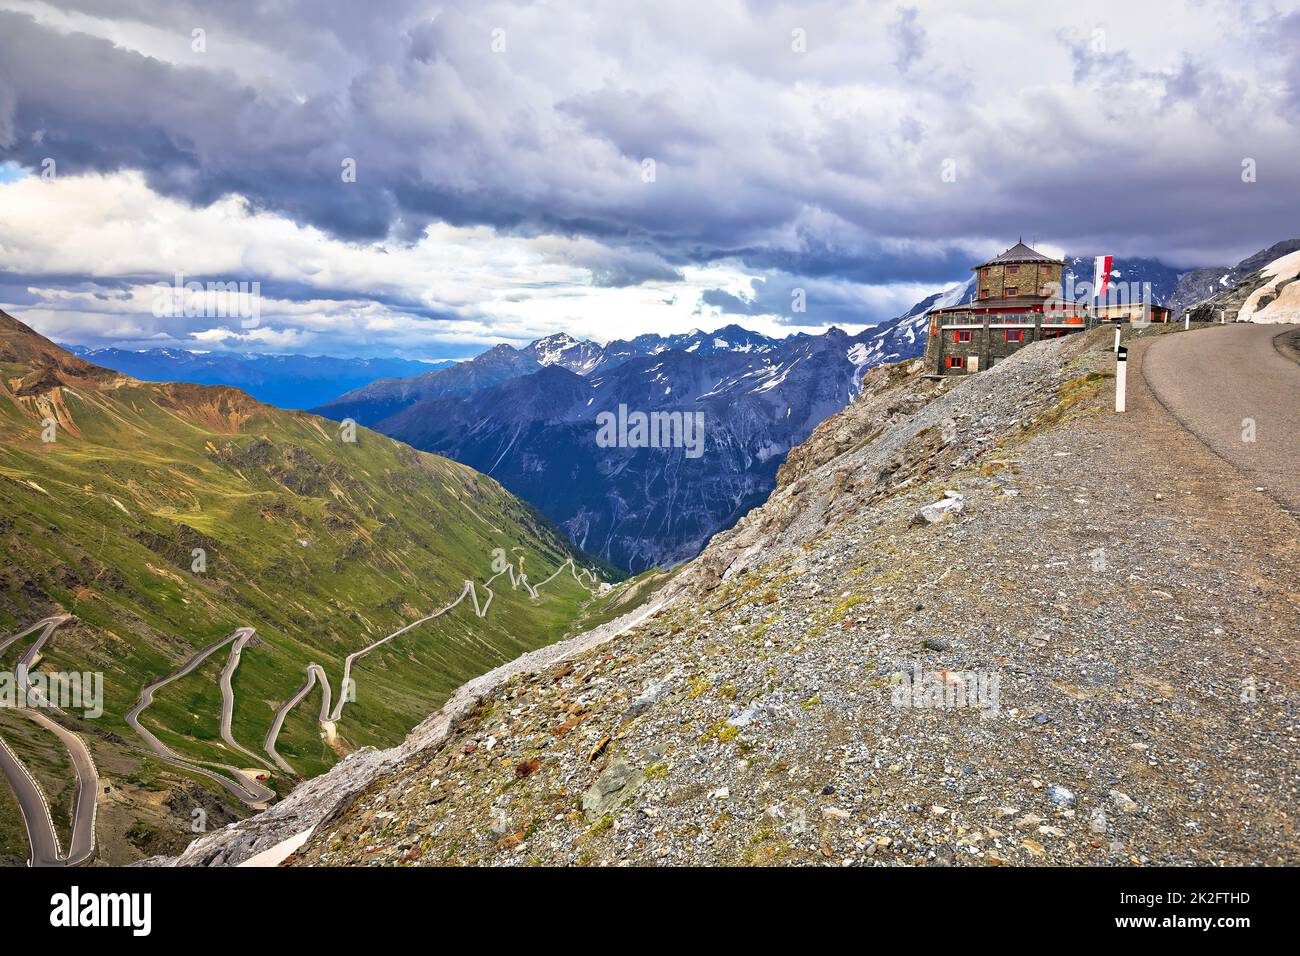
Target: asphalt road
(480,611)
(1233,383)
(314,673)
(41,836)
(247,790)
(228,697)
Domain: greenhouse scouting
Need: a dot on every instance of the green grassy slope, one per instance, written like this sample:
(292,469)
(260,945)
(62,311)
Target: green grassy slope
(323,546)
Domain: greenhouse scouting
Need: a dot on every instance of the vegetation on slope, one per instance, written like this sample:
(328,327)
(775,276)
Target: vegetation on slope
(323,545)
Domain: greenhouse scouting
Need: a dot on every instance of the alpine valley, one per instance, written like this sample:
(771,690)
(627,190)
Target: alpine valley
(151,522)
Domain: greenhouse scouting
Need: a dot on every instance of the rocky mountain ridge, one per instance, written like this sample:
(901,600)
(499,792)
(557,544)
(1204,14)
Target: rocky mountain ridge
(644,507)
(1261,288)
(641,508)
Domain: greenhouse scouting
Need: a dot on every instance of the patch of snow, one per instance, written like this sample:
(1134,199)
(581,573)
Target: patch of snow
(1284,304)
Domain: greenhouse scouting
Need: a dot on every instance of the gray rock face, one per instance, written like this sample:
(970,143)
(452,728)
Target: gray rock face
(947,508)
(612,789)
(1061,796)
(527,417)
(640,507)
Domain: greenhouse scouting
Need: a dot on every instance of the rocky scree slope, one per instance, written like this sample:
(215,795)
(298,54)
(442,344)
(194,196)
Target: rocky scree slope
(1117,579)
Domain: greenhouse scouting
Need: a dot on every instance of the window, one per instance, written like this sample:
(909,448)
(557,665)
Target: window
(1013,270)
(1053,333)
(956,361)
(961,335)
(984,293)
(1015,335)
(1012,291)
(1042,270)
(984,273)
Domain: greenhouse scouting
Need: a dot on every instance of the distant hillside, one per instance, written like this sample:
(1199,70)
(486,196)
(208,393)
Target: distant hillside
(388,396)
(287,381)
(322,545)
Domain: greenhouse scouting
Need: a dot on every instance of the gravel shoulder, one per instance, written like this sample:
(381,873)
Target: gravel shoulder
(1122,595)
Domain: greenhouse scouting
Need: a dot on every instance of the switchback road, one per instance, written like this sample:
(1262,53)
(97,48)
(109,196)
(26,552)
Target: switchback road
(316,672)
(42,838)
(247,790)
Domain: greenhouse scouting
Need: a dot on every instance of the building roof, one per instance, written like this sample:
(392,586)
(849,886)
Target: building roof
(1018,253)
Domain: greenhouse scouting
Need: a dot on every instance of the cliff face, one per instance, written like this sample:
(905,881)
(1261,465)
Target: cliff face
(1260,288)
(980,622)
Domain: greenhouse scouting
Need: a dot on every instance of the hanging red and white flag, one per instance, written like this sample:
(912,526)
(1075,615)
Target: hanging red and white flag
(1101,275)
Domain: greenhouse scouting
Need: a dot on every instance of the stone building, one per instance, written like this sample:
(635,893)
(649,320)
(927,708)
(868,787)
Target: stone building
(1017,301)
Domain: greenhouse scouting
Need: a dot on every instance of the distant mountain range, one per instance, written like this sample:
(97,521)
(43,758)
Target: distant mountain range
(527,417)
(1264,287)
(1183,289)
(286,381)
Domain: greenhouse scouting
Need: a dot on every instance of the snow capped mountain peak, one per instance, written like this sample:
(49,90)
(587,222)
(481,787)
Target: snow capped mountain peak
(564,350)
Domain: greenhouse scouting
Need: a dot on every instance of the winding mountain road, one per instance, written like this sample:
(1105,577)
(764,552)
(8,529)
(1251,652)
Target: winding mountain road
(316,672)
(42,838)
(246,790)
(228,697)
(1237,389)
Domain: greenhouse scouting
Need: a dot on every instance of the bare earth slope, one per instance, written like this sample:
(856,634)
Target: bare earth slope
(1132,594)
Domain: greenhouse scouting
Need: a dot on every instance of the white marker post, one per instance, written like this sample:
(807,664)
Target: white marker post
(1121,364)
(1187,320)
(1117,339)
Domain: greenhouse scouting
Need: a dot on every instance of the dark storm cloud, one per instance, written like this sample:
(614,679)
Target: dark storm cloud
(818,165)
(868,265)
(1283,35)
(909,38)
(810,302)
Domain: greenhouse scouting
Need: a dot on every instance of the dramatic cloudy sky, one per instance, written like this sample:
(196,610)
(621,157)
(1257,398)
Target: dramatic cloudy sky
(504,151)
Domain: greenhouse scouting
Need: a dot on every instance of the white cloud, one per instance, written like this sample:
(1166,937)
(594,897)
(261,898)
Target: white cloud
(457,285)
